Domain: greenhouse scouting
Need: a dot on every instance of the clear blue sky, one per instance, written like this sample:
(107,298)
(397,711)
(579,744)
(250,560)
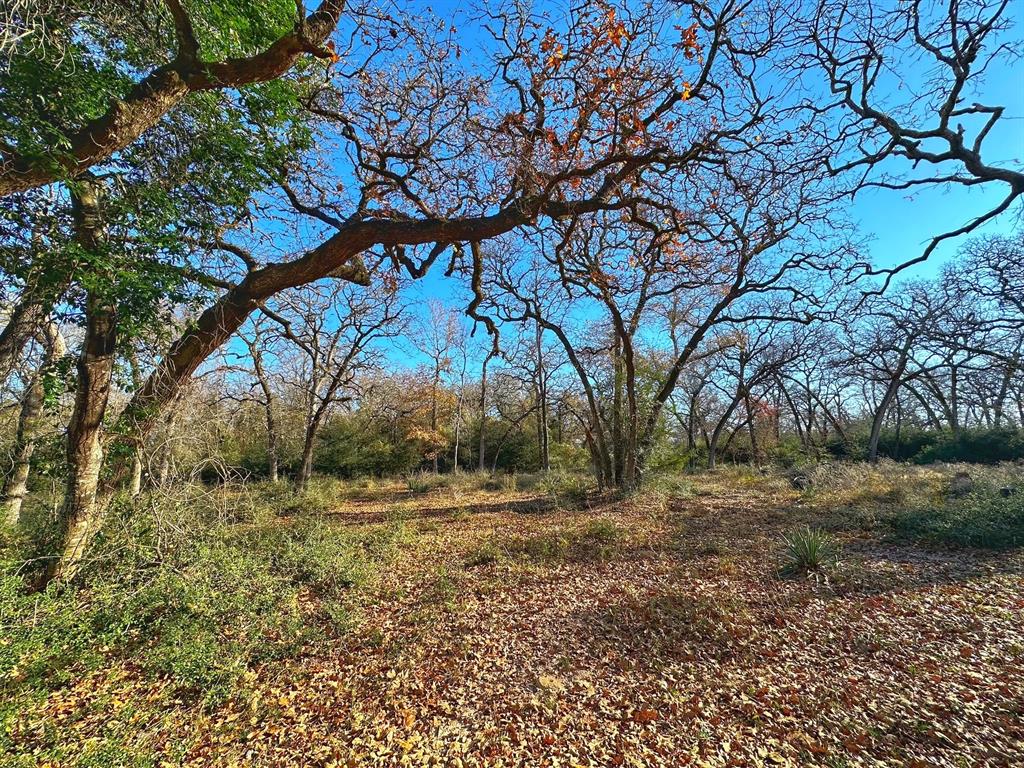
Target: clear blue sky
(896,224)
(902,223)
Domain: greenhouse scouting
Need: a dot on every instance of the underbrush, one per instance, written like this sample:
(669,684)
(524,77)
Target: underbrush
(982,519)
(922,503)
(190,594)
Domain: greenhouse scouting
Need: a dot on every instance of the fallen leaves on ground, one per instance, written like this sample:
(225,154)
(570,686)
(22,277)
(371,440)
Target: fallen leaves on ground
(683,648)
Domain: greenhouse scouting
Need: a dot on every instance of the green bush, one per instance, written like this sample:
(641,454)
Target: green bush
(485,554)
(423,482)
(180,593)
(563,488)
(978,446)
(982,519)
(355,446)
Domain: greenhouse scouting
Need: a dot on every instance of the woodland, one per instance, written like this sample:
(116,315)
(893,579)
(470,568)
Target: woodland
(386,383)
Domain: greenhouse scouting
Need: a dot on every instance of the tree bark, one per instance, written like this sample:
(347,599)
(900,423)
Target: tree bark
(268,411)
(135,484)
(24,444)
(542,401)
(999,402)
(272,451)
(16,486)
(22,324)
(717,433)
(483,410)
(85,449)
(306,464)
(435,383)
(81,513)
(879,418)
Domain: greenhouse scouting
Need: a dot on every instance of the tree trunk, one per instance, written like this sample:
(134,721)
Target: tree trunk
(618,446)
(28,430)
(751,426)
(542,400)
(27,319)
(954,400)
(163,473)
(135,480)
(879,418)
(84,450)
(81,513)
(313,425)
(483,410)
(272,460)
(717,433)
(268,413)
(458,433)
(596,459)
(306,466)
(433,413)
(24,444)
(999,402)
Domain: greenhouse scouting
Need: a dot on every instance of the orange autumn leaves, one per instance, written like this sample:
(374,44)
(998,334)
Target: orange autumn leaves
(609,33)
(590,70)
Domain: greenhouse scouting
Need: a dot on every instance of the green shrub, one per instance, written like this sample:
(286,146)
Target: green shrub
(809,550)
(356,446)
(979,446)
(177,592)
(982,519)
(423,482)
(926,446)
(485,554)
(565,489)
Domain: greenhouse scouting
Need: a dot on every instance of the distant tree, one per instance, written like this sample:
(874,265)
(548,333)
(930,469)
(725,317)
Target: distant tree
(334,329)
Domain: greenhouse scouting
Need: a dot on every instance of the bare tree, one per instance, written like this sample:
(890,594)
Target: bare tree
(333,328)
(260,342)
(888,348)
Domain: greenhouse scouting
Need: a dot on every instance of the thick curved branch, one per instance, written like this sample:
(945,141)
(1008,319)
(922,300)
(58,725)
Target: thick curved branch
(161,91)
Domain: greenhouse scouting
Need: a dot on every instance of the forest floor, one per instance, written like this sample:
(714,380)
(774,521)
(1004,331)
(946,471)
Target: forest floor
(514,629)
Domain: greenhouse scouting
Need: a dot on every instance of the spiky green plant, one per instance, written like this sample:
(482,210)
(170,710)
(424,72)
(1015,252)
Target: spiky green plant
(809,550)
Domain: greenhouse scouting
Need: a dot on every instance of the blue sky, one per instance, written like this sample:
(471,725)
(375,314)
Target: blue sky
(901,224)
(897,225)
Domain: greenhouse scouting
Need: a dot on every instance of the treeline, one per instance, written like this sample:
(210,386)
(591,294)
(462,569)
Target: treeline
(931,371)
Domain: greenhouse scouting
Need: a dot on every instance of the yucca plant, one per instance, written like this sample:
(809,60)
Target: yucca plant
(421,482)
(809,550)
